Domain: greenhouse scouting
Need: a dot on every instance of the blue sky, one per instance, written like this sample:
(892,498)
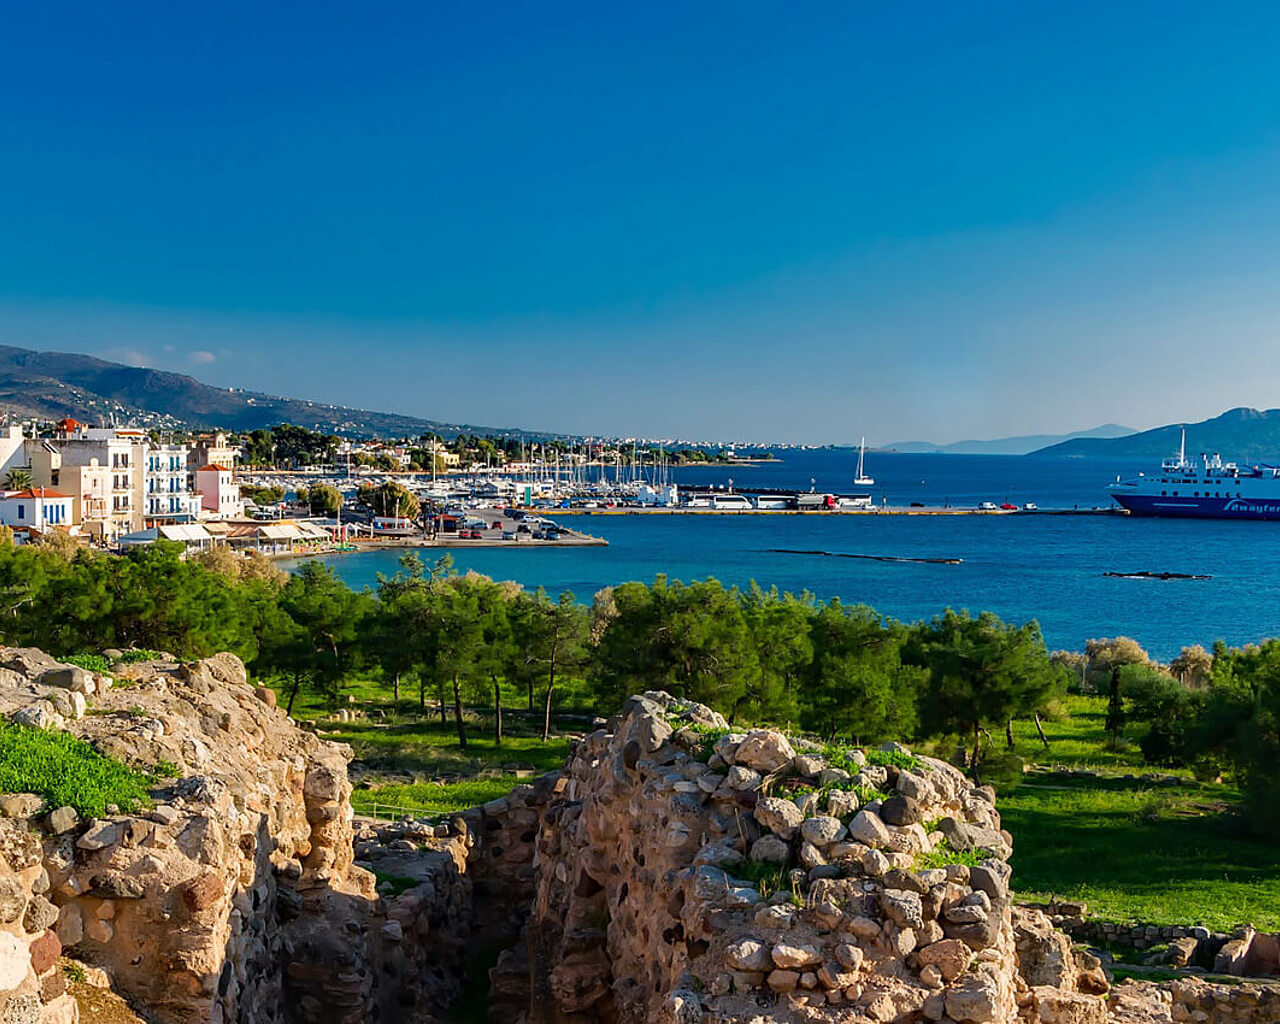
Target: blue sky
(807,222)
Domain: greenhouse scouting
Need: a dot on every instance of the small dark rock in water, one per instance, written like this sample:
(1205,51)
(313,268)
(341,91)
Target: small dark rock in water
(1157,575)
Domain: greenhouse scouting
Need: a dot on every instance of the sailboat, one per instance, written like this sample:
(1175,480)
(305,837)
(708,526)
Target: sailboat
(862,480)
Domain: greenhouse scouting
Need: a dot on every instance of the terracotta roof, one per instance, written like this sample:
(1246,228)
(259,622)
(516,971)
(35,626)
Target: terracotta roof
(220,469)
(41,492)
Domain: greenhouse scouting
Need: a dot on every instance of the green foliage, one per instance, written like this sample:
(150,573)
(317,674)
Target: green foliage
(896,759)
(432,799)
(857,685)
(982,672)
(67,771)
(708,736)
(398,883)
(92,662)
(769,878)
(321,499)
(943,855)
(389,499)
(689,639)
(1175,856)
(133,656)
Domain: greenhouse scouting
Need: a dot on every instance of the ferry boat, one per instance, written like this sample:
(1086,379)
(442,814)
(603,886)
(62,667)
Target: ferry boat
(1209,489)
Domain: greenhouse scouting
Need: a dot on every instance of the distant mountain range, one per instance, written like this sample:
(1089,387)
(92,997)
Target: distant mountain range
(53,385)
(1240,435)
(1022,445)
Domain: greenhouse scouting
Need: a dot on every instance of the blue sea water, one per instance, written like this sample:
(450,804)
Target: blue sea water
(1048,568)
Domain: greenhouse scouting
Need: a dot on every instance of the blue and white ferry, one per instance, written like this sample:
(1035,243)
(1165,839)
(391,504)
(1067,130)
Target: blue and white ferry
(1210,489)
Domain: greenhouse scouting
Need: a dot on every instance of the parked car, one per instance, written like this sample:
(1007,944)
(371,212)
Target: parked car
(1031,506)
(1008,507)
(988,506)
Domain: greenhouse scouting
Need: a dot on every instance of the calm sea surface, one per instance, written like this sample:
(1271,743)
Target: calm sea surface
(1049,568)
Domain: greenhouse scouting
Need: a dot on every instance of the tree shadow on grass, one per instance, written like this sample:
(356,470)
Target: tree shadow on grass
(1159,867)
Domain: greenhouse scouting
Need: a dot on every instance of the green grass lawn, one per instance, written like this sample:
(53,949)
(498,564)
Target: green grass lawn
(1160,856)
(1078,738)
(457,778)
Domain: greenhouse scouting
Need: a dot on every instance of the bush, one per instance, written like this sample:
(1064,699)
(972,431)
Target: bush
(91,662)
(67,772)
(132,657)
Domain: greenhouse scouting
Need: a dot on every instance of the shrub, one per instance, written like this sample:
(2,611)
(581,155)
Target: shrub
(895,758)
(67,771)
(943,854)
(132,657)
(91,662)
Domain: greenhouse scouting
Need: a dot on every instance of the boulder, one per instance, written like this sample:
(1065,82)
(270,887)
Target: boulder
(70,677)
(867,827)
(822,831)
(771,850)
(789,957)
(903,908)
(950,956)
(974,1000)
(780,816)
(748,955)
(901,810)
(64,819)
(765,750)
(965,836)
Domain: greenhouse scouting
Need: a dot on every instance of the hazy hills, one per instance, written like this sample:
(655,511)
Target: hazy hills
(1022,445)
(1240,435)
(52,385)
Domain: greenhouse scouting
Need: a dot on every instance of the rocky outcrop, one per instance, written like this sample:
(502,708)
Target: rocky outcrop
(686,873)
(234,896)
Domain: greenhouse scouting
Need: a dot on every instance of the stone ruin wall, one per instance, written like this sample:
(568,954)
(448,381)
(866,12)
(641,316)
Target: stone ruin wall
(642,914)
(235,898)
(244,895)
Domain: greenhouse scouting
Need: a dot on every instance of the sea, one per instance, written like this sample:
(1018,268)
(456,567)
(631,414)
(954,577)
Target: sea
(1050,568)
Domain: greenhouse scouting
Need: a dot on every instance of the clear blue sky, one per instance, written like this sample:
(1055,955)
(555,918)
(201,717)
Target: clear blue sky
(802,221)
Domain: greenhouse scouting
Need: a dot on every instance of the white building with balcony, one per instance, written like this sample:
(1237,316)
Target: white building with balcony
(166,488)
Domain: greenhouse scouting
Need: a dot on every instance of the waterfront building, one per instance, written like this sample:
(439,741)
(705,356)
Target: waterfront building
(118,452)
(88,485)
(218,492)
(38,509)
(167,486)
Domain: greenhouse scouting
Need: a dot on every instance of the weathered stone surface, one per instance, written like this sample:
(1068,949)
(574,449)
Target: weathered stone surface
(965,836)
(901,810)
(902,907)
(15,963)
(791,957)
(748,955)
(779,816)
(975,999)
(771,850)
(951,956)
(822,830)
(764,750)
(63,819)
(867,827)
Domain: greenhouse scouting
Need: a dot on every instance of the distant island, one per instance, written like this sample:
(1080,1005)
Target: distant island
(1021,445)
(1240,435)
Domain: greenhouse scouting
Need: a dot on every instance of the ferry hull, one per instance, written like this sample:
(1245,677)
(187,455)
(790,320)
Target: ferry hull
(1199,508)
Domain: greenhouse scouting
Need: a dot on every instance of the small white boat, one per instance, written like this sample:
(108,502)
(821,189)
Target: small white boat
(862,480)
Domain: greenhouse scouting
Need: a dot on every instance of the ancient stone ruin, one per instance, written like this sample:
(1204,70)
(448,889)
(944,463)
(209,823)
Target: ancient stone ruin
(674,872)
